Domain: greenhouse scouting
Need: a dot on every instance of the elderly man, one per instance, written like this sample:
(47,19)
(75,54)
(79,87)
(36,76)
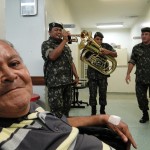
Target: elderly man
(25,126)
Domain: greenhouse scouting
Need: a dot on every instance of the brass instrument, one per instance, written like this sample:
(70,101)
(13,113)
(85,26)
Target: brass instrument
(83,36)
(91,55)
(72,38)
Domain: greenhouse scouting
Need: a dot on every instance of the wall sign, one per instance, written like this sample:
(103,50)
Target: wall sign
(28,7)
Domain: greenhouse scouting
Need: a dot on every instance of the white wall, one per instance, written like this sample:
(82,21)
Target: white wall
(117,83)
(2,19)
(136,29)
(117,36)
(27,33)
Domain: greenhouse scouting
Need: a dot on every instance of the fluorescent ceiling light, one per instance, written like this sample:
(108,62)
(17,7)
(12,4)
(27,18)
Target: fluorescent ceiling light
(109,25)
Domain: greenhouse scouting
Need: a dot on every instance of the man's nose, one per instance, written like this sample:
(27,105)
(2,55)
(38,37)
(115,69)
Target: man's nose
(8,75)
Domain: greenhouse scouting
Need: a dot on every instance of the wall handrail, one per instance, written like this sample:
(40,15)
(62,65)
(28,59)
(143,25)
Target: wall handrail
(38,80)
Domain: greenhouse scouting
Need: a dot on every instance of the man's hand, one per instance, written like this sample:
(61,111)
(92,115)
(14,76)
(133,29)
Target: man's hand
(123,131)
(76,80)
(120,128)
(65,35)
(128,78)
(105,51)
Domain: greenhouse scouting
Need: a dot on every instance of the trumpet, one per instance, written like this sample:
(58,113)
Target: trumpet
(75,35)
(84,35)
(73,38)
(70,39)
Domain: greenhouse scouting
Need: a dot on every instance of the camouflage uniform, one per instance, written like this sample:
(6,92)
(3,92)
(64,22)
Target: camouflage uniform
(97,79)
(58,77)
(141,58)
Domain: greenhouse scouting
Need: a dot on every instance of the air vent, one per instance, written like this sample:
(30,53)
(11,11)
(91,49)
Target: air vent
(132,16)
(136,37)
(69,25)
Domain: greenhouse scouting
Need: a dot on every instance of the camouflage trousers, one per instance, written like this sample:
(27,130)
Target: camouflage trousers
(94,86)
(59,99)
(141,94)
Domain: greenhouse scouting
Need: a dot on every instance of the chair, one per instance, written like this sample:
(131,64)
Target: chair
(76,103)
(35,97)
(106,135)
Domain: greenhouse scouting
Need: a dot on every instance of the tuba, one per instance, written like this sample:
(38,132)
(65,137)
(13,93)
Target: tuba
(92,56)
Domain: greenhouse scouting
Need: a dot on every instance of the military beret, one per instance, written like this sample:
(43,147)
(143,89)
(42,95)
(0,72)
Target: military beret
(98,34)
(146,29)
(54,24)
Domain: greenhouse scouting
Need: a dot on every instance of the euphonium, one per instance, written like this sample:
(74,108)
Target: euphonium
(92,56)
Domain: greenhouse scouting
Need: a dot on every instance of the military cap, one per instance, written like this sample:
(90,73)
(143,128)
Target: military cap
(145,29)
(55,24)
(98,34)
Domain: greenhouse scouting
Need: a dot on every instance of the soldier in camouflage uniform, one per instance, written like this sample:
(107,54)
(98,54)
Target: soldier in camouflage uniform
(141,58)
(58,70)
(97,79)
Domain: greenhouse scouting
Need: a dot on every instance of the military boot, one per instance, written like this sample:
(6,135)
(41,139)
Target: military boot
(102,109)
(93,111)
(145,117)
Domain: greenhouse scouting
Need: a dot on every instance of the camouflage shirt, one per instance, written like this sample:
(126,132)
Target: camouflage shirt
(56,72)
(93,73)
(141,58)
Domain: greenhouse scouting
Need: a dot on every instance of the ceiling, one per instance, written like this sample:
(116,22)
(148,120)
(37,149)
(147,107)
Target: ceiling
(88,13)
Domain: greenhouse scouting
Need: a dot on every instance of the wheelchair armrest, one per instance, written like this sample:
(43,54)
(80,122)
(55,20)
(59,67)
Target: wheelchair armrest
(106,135)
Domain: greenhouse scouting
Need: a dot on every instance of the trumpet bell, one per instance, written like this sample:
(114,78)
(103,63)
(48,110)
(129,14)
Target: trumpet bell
(84,39)
(85,34)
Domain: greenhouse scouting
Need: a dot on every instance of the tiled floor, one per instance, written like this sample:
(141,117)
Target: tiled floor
(125,106)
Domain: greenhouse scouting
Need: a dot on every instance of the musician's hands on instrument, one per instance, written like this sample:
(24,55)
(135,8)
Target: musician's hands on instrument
(104,51)
(65,35)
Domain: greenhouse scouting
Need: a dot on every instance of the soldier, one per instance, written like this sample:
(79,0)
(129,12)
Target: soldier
(141,58)
(97,79)
(58,69)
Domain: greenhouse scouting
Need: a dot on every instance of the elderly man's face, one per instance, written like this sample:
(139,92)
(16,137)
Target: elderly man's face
(15,83)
